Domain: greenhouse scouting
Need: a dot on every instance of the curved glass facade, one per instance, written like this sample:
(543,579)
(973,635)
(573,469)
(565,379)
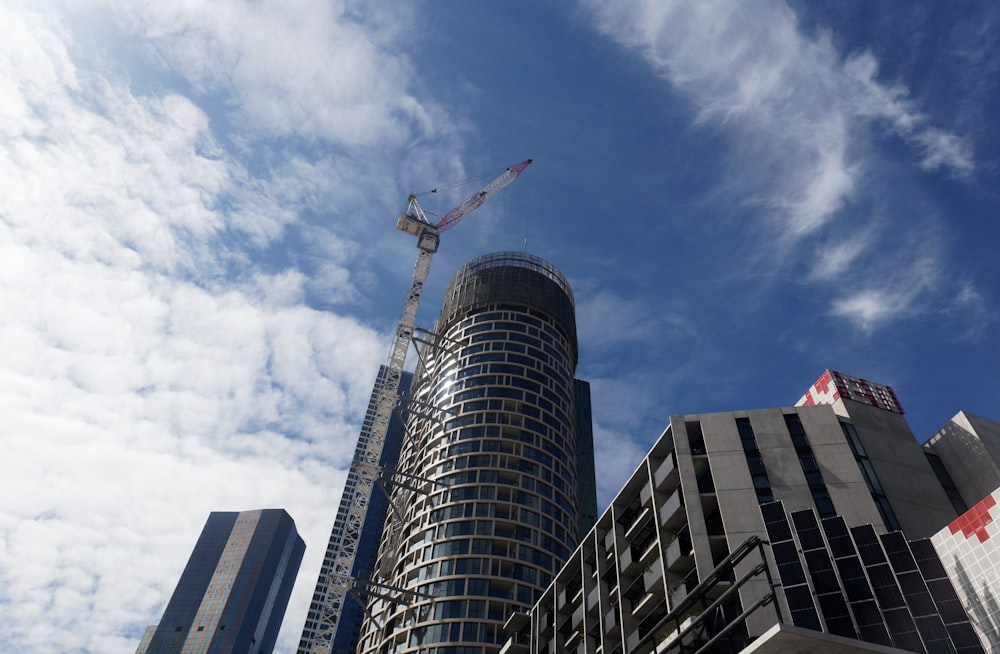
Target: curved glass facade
(497,515)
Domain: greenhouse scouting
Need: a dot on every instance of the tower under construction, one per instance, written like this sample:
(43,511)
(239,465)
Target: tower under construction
(495,511)
(348,628)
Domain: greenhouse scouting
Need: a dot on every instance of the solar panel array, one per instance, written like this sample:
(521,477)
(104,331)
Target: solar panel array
(855,583)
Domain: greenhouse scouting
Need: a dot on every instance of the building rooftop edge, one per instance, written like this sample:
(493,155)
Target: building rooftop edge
(519,260)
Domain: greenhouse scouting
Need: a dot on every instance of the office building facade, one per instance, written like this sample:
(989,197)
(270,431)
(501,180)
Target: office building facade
(493,441)
(234,590)
(345,638)
(768,529)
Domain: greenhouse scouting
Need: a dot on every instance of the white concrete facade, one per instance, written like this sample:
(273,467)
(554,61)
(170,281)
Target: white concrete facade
(970,550)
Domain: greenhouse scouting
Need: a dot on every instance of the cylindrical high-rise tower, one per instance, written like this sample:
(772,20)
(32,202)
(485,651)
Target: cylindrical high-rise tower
(491,424)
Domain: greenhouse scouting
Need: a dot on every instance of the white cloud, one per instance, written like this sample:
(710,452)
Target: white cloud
(943,150)
(798,101)
(617,456)
(836,258)
(799,111)
(888,298)
(159,362)
(305,67)
(868,308)
(977,314)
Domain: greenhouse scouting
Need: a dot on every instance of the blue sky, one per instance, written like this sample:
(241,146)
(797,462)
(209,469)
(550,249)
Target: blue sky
(199,271)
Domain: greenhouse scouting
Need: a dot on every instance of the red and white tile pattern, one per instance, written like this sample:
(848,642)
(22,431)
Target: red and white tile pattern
(970,550)
(833,385)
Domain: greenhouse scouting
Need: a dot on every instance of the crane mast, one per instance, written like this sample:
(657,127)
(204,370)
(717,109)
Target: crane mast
(365,466)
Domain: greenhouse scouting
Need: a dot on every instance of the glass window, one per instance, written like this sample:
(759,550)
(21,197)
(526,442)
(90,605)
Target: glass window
(824,505)
(808,462)
(814,478)
(449,609)
(756,464)
(870,477)
(794,424)
(853,439)
(887,513)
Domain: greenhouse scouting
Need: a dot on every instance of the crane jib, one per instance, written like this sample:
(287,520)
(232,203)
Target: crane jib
(477,199)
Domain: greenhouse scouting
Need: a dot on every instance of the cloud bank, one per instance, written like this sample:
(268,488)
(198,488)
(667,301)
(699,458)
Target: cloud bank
(161,360)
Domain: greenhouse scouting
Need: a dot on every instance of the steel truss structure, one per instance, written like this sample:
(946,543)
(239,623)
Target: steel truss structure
(365,468)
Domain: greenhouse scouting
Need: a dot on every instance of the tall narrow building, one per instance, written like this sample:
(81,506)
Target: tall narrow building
(234,589)
(493,443)
(345,638)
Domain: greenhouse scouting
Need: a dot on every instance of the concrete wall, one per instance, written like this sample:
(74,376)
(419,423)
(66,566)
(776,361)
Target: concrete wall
(734,489)
(969,447)
(689,486)
(848,489)
(913,490)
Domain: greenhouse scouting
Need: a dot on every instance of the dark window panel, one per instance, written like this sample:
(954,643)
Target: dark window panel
(807,619)
(903,630)
(964,636)
(915,592)
(933,633)
(804,520)
(811,539)
(775,522)
(868,545)
(927,559)
(838,537)
(842,627)
(799,598)
(875,633)
(866,613)
(791,574)
(899,554)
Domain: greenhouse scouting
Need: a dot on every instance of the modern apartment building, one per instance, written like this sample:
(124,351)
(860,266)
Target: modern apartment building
(345,639)
(766,529)
(493,447)
(966,455)
(234,590)
(902,480)
(970,549)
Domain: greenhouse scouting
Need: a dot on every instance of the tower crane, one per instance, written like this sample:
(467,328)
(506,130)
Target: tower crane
(365,466)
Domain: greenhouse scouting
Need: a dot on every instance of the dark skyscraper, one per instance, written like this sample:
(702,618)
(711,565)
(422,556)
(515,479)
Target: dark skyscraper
(586,475)
(496,444)
(345,639)
(234,590)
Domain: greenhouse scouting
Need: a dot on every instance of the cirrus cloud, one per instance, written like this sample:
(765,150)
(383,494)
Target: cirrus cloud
(801,114)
